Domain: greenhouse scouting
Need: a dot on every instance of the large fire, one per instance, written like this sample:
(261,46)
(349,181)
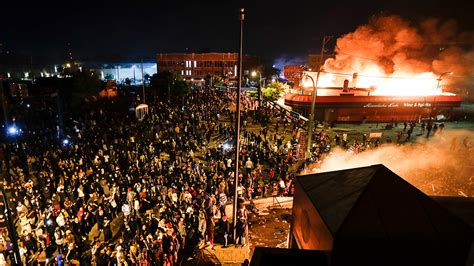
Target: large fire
(393,57)
(420,84)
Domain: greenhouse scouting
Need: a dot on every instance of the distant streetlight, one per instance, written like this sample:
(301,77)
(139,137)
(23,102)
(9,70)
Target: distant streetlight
(13,131)
(254,74)
(441,78)
(68,65)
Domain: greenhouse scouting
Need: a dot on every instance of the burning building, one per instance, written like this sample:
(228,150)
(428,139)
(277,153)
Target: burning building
(344,104)
(390,70)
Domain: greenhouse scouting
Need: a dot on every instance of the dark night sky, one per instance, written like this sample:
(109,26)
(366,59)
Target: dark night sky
(136,29)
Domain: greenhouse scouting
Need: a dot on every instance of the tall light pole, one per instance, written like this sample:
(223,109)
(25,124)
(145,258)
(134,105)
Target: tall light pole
(237,123)
(313,102)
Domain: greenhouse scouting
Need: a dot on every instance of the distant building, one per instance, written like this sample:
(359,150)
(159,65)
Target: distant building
(121,72)
(196,66)
(293,74)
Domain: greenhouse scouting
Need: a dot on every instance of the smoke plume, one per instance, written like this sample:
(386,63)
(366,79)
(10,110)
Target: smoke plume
(392,46)
(285,60)
(442,165)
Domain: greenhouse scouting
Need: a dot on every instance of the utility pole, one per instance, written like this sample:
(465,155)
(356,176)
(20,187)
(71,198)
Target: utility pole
(313,102)
(143,83)
(237,124)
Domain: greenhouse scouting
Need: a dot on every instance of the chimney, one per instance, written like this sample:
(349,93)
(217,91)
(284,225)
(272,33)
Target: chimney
(345,88)
(354,80)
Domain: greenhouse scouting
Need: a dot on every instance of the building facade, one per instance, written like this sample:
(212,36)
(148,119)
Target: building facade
(123,72)
(196,66)
(293,74)
(332,105)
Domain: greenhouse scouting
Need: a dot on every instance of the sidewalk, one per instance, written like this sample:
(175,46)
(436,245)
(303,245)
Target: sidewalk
(231,255)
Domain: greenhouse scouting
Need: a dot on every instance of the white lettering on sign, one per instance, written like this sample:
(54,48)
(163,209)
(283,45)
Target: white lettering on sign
(381,105)
(417,105)
(394,105)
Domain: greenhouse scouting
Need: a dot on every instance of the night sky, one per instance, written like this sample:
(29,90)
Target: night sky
(134,29)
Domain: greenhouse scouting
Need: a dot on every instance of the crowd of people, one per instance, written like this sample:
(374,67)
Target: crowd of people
(105,188)
(108,189)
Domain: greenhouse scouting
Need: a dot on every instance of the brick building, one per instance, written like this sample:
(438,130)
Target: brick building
(293,74)
(199,65)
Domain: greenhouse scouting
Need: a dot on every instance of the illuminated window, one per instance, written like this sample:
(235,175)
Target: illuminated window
(195,64)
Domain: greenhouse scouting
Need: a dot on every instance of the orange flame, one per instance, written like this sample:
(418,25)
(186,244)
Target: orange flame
(393,57)
(399,84)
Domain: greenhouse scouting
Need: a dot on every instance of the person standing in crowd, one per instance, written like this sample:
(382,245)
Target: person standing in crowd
(241,224)
(225,229)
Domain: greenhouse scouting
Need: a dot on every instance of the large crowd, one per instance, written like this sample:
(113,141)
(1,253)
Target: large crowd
(109,189)
(105,188)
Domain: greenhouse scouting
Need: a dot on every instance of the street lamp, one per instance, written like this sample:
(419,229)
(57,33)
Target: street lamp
(313,102)
(311,117)
(254,74)
(441,78)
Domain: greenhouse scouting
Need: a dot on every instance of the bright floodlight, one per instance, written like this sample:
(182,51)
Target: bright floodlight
(254,73)
(65,141)
(12,130)
(226,146)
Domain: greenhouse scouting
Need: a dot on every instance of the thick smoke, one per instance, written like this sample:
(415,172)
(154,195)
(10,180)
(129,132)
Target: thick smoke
(396,47)
(285,60)
(442,165)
